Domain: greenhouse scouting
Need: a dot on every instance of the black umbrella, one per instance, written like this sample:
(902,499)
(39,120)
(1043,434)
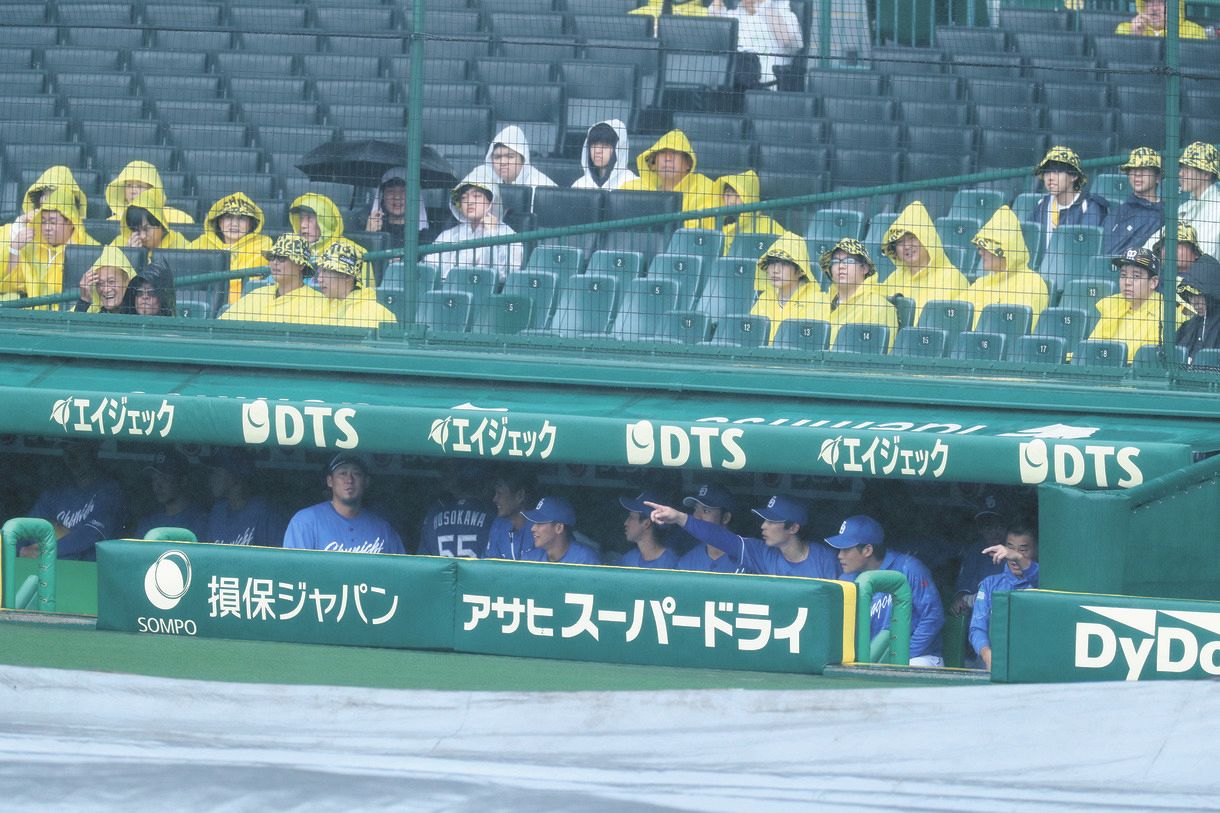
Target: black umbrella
(362,163)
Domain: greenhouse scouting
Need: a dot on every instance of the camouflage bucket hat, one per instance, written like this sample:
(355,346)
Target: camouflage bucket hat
(456,195)
(1066,157)
(992,247)
(851,247)
(237,205)
(292,247)
(1201,155)
(1142,158)
(1186,236)
(1140,258)
(341,259)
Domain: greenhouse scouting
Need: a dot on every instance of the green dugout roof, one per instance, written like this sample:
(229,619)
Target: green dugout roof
(838,432)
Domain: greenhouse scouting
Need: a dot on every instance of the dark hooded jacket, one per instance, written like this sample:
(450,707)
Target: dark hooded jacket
(158,274)
(1201,332)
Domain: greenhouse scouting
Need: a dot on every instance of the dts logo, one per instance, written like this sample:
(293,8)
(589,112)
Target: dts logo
(715,446)
(1067,465)
(330,427)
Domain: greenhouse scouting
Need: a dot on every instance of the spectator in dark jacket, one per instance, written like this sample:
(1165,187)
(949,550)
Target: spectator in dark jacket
(1139,216)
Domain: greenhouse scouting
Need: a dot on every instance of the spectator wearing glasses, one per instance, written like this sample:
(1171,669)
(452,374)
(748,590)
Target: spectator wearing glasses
(854,297)
(1135,314)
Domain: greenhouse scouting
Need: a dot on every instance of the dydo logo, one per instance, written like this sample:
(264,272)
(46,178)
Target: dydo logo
(330,426)
(165,583)
(716,446)
(1167,648)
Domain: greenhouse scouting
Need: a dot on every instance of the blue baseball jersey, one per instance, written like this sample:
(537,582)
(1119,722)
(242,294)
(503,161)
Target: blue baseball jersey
(927,615)
(578,554)
(193,518)
(321,527)
(459,528)
(980,621)
(975,567)
(255,523)
(90,513)
(698,558)
(506,542)
(756,556)
(633,558)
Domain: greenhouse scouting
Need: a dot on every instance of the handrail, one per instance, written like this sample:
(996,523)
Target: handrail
(869,584)
(21,529)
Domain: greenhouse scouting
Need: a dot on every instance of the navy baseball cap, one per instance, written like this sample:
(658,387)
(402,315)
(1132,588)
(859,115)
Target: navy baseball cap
(781,508)
(552,509)
(236,461)
(636,504)
(711,496)
(858,530)
(172,463)
(993,503)
(344,458)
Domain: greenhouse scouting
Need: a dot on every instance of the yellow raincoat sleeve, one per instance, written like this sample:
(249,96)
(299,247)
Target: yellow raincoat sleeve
(939,279)
(868,306)
(304,306)
(1017,285)
(361,309)
(1137,327)
(698,191)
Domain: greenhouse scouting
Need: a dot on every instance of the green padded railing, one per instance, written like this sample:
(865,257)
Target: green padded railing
(897,640)
(23,529)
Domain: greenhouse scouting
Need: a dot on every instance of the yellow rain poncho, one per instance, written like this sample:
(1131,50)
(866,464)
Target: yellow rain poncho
(152,200)
(111,257)
(1187,30)
(39,270)
(866,305)
(745,185)
(53,178)
(939,279)
(144,172)
(330,222)
(247,252)
(1017,284)
(808,302)
(698,191)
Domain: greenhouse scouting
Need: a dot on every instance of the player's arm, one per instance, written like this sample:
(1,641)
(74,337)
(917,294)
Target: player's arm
(925,599)
(742,550)
(80,539)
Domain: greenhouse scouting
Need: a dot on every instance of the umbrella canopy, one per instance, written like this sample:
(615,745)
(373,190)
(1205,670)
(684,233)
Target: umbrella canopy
(362,163)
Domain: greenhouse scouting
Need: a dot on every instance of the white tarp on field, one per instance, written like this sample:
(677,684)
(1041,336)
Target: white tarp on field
(88,741)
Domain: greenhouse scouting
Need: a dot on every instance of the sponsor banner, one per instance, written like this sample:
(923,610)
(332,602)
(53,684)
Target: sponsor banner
(270,594)
(661,618)
(1041,636)
(585,429)
(606,614)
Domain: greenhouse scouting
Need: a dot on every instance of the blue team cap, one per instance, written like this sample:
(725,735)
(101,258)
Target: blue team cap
(712,497)
(552,509)
(636,504)
(781,508)
(345,458)
(858,530)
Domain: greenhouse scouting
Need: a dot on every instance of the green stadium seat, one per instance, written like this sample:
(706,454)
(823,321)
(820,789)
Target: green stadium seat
(951,316)
(705,243)
(280,114)
(194,111)
(644,303)
(1038,349)
(976,204)
(187,262)
(173,39)
(192,305)
(537,286)
(213,136)
(562,261)
(805,335)
(248,64)
(37,131)
(262,89)
(343,66)
(855,337)
(92,35)
(30,36)
(1150,359)
(203,16)
(1114,188)
(624,266)
(828,227)
(480,284)
(16,107)
(740,330)
(1067,254)
(1069,324)
(684,269)
(277,43)
(1009,320)
(684,327)
(182,87)
(94,84)
(585,305)
(1207,359)
(395,286)
(509,314)
(728,287)
(444,311)
(43,155)
(354,91)
(212,187)
(159,60)
(750,246)
(920,342)
(94,14)
(200,159)
(71,58)
(979,345)
(372,20)
(1099,353)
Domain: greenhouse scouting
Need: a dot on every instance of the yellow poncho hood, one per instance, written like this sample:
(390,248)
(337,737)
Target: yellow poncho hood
(915,220)
(790,248)
(55,178)
(152,200)
(330,224)
(111,257)
(675,140)
(1001,235)
(144,172)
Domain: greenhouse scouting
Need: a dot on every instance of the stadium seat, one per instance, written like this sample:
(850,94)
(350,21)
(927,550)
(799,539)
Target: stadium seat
(595,92)
(215,136)
(42,155)
(193,305)
(563,261)
(187,262)
(906,60)
(444,311)
(920,342)
(1031,19)
(740,330)
(536,286)
(702,242)
(985,66)
(613,27)
(200,159)
(172,39)
(70,83)
(557,206)
(395,286)
(203,16)
(976,204)
(829,226)
(644,303)
(1067,254)
(181,87)
(1061,43)
(497,70)
(951,316)
(1068,323)
(366,20)
(258,39)
(1149,358)
(1038,349)
(624,266)
(802,133)
(78,259)
(1006,149)
(644,56)
(728,287)
(160,60)
(783,159)
(865,135)
(934,114)
(1099,353)
(351,116)
(28,35)
(584,307)
(347,66)
(622,204)
(767,104)
(1140,128)
(861,168)
(67,57)
(971,40)
(443,125)
(1084,294)
(979,345)
(685,270)
(480,284)
(957,232)
(931,88)
(750,246)
(855,337)
(1010,321)
(16,108)
(697,52)
(97,36)
(1005,117)
(684,327)
(42,131)
(805,335)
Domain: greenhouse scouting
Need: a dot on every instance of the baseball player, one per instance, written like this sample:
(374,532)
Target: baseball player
(780,552)
(459,523)
(514,488)
(553,521)
(83,511)
(342,523)
(238,516)
(861,546)
(641,531)
(1019,556)
(712,504)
